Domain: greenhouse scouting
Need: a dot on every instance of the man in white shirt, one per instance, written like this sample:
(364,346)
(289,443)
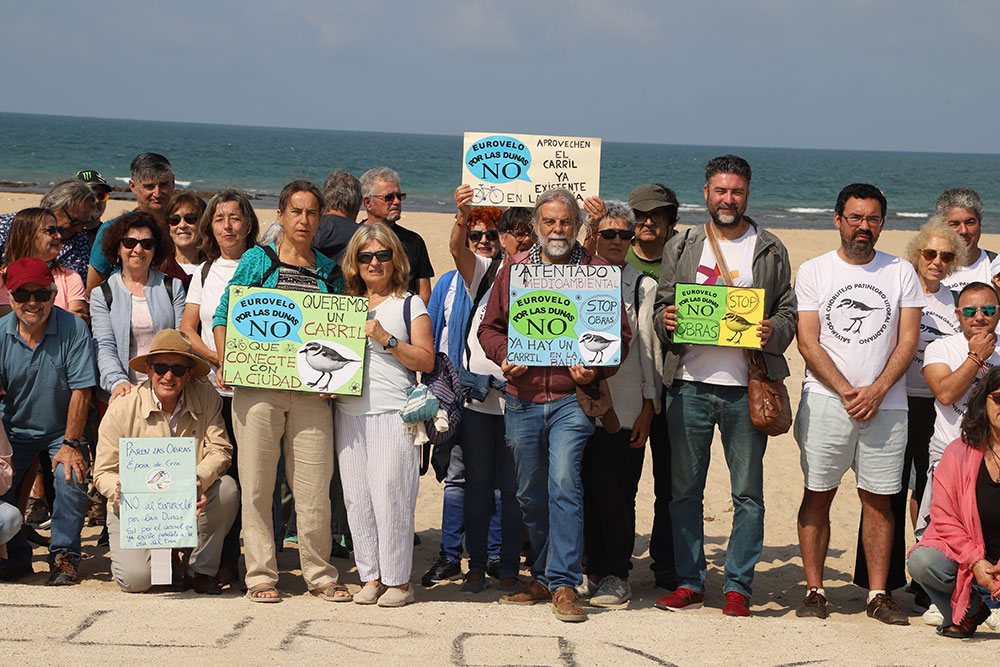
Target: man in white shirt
(859,324)
(962,210)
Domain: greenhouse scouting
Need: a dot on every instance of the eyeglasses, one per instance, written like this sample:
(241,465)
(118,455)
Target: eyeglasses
(855,220)
(189,218)
(51,231)
(623,234)
(75,222)
(988,310)
(102,196)
(391,197)
(930,254)
(475,235)
(521,233)
(995,396)
(177,369)
(381,255)
(22,295)
(130,242)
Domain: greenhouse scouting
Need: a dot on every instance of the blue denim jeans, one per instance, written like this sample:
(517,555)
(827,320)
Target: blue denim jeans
(68,510)
(10,522)
(936,574)
(489,467)
(693,411)
(547,440)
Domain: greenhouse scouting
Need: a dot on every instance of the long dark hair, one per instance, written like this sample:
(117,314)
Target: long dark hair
(976,426)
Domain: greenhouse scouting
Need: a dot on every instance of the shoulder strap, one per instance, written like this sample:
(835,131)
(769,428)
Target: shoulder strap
(168,284)
(991,255)
(205,268)
(719,257)
(406,315)
(484,286)
(335,273)
(108,295)
(275,263)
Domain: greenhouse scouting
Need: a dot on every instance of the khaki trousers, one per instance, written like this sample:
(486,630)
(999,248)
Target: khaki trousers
(263,419)
(130,567)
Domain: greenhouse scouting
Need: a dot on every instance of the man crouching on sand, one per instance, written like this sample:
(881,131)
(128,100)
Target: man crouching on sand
(166,405)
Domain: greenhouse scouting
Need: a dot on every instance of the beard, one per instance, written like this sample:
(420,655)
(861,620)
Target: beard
(726,216)
(393,217)
(860,245)
(557,246)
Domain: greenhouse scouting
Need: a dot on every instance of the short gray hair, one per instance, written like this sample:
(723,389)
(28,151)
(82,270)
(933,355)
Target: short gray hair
(562,195)
(68,194)
(147,166)
(342,192)
(619,210)
(964,197)
(376,174)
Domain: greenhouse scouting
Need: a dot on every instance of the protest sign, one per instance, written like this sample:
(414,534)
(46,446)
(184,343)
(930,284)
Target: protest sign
(564,314)
(514,169)
(302,341)
(718,315)
(158,479)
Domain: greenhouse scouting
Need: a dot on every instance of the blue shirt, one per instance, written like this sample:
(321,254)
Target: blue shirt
(96,256)
(39,382)
(74,254)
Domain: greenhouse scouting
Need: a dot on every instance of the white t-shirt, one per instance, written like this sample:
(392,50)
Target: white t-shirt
(708,363)
(858,308)
(449,303)
(141,335)
(952,350)
(980,271)
(207,297)
(386,378)
(474,358)
(188,268)
(937,320)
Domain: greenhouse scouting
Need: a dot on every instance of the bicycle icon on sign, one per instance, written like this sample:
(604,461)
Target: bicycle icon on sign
(481,194)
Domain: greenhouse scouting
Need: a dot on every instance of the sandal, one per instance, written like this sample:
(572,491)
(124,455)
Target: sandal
(329,592)
(254,593)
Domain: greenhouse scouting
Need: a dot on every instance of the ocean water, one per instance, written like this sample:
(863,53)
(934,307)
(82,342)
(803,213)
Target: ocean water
(790,187)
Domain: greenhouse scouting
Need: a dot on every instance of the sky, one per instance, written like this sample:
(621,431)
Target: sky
(908,75)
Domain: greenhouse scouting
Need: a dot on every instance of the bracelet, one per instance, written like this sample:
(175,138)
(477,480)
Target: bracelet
(463,226)
(976,358)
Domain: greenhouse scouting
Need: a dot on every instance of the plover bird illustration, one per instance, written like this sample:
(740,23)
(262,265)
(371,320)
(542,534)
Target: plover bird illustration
(159,480)
(326,360)
(596,343)
(737,325)
(856,312)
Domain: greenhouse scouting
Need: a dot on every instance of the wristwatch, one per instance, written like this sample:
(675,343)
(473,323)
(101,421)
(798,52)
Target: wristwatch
(75,444)
(391,343)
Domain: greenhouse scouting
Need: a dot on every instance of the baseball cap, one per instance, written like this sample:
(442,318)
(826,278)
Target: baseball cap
(93,179)
(28,270)
(651,195)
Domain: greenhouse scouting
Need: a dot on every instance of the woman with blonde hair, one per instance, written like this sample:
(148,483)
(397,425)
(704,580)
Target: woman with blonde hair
(379,463)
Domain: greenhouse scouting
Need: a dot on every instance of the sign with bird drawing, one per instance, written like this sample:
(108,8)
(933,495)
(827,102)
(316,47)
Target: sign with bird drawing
(300,341)
(565,314)
(158,478)
(718,315)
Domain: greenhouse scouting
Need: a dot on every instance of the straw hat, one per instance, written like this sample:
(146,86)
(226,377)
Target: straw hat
(170,341)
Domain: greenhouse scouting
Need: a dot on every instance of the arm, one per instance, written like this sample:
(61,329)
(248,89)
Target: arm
(424,289)
(458,242)
(220,344)
(595,213)
(248,272)
(819,362)
(180,296)
(94,278)
(665,318)
(216,450)
(112,428)
(76,419)
(492,331)
(865,401)
(783,315)
(6,468)
(417,355)
(112,374)
(948,385)
(76,295)
(189,325)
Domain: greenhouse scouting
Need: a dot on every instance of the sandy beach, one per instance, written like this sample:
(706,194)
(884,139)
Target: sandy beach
(96,623)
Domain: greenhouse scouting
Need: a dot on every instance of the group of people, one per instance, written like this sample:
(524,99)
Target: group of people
(898,387)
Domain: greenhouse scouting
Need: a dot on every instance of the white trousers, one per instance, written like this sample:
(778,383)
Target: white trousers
(380,472)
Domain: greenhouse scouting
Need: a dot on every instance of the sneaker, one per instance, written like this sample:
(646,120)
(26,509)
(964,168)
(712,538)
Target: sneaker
(533,593)
(932,616)
(612,592)
(814,606)
(681,599)
(442,570)
(566,606)
(62,571)
(475,582)
(586,589)
(884,608)
(737,604)
(993,622)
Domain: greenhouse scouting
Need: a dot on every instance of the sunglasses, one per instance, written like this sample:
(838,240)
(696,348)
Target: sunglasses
(623,234)
(381,255)
(177,369)
(22,295)
(102,196)
(189,218)
(930,255)
(52,230)
(995,396)
(129,242)
(391,197)
(970,311)
(476,234)
(75,222)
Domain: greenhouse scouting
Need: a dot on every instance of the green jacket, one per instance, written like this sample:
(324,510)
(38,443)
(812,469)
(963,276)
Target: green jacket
(771,271)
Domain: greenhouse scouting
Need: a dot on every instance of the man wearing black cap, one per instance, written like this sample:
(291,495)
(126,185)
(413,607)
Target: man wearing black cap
(655,207)
(101,189)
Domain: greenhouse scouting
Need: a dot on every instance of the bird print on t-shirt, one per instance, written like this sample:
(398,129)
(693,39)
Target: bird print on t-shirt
(856,312)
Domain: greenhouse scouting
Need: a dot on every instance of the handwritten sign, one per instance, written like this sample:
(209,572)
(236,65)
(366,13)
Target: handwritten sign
(513,169)
(159,492)
(301,341)
(564,314)
(718,315)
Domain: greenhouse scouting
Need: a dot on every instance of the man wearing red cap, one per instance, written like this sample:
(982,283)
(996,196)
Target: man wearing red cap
(47,370)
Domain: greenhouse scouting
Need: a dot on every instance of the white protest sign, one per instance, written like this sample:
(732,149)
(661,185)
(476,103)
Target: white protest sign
(158,479)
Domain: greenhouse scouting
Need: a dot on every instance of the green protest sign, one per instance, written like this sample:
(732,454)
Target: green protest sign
(718,315)
(301,341)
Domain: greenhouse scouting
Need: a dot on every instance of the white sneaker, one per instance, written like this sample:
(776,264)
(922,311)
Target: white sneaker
(993,622)
(586,588)
(932,616)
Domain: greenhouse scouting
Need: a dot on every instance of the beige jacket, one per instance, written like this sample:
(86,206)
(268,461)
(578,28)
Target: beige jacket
(137,415)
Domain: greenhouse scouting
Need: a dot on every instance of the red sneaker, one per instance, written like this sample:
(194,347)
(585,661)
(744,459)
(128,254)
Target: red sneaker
(681,599)
(737,604)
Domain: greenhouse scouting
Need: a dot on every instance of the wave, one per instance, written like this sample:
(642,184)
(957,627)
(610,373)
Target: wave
(692,207)
(904,214)
(183,184)
(809,210)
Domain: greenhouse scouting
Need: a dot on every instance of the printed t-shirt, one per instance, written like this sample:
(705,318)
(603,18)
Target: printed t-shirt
(474,358)
(709,363)
(859,308)
(207,297)
(386,378)
(952,351)
(937,320)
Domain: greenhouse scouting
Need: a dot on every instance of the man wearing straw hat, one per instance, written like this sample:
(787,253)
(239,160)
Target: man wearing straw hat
(171,404)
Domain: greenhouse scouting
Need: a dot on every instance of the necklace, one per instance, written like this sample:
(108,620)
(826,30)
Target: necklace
(997,459)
